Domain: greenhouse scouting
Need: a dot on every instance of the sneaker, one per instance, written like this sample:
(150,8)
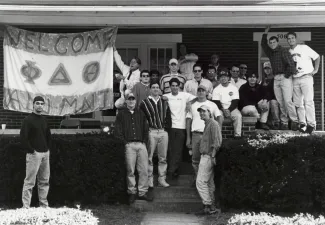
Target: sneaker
(214,209)
(162,183)
(284,126)
(132,198)
(150,182)
(147,196)
(302,128)
(264,126)
(310,129)
(294,126)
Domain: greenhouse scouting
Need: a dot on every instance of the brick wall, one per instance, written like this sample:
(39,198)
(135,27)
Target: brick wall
(233,45)
(248,127)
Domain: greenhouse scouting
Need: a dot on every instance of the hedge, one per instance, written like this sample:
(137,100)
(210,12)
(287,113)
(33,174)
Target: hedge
(85,168)
(282,177)
(90,168)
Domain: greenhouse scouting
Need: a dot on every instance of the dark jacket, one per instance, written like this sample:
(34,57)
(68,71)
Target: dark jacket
(250,95)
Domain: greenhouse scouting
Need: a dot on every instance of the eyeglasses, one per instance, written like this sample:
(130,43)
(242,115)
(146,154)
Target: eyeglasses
(211,72)
(235,71)
(39,103)
(243,68)
(197,71)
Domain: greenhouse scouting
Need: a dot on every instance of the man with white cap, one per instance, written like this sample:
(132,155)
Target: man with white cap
(209,146)
(132,128)
(195,125)
(268,83)
(173,73)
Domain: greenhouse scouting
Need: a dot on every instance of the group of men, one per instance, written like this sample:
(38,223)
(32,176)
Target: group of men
(174,111)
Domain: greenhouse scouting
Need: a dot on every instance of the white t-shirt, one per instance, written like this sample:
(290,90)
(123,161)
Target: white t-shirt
(303,56)
(239,82)
(197,123)
(177,105)
(225,94)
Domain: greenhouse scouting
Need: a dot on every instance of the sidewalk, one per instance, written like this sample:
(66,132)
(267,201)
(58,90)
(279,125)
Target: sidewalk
(154,218)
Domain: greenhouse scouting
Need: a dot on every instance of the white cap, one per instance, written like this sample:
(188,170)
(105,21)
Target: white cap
(173,61)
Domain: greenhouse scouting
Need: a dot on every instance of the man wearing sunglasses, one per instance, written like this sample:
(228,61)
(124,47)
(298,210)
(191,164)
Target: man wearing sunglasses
(191,86)
(235,79)
(242,71)
(141,90)
(35,136)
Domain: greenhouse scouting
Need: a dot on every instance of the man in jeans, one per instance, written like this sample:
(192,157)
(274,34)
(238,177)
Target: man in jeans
(209,146)
(303,82)
(155,110)
(132,128)
(35,136)
(283,68)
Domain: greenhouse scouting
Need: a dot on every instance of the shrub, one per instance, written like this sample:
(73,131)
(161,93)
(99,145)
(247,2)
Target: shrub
(87,168)
(287,176)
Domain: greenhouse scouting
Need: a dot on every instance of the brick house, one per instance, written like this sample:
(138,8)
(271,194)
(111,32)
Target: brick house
(153,30)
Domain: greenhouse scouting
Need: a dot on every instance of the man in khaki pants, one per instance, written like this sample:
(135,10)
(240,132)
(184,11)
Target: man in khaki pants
(35,136)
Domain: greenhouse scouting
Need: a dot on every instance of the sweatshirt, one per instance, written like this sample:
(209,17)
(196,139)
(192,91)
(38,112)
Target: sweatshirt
(211,138)
(250,95)
(35,134)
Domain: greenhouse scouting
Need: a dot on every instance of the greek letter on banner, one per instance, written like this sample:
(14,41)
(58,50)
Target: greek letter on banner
(73,71)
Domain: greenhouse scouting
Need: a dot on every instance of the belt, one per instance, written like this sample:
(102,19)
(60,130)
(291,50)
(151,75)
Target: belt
(197,132)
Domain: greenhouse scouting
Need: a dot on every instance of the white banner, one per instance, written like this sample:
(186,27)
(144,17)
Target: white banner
(73,72)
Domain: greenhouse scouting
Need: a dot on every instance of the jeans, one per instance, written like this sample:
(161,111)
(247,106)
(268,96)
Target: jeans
(196,155)
(236,121)
(283,90)
(303,98)
(37,166)
(176,145)
(274,109)
(136,156)
(205,180)
(250,110)
(158,138)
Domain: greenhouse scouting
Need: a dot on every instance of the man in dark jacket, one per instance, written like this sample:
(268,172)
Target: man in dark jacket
(132,128)
(35,136)
(253,102)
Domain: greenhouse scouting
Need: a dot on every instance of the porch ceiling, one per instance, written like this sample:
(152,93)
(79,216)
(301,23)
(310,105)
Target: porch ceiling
(163,16)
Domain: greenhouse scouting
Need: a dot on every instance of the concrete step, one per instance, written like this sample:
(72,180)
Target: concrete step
(169,205)
(182,180)
(154,218)
(173,192)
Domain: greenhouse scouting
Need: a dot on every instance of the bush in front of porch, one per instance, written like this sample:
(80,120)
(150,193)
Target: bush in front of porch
(85,168)
(281,173)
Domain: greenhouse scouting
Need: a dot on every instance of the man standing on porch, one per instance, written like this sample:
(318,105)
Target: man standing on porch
(209,146)
(35,136)
(283,68)
(155,110)
(173,73)
(177,103)
(132,128)
(303,82)
(195,125)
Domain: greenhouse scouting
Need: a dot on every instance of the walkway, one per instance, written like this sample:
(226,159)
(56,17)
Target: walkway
(156,218)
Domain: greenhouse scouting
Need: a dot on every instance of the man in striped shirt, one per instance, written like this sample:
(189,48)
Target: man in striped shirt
(164,81)
(155,110)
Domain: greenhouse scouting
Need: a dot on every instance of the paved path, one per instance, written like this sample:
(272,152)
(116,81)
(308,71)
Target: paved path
(154,218)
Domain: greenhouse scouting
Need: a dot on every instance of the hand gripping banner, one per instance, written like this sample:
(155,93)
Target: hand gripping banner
(73,72)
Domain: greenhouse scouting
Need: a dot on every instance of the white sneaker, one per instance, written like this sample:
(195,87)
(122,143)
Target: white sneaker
(150,182)
(162,183)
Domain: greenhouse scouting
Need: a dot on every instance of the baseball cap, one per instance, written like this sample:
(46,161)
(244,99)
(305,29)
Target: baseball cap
(173,60)
(204,108)
(38,99)
(267,65)
(223,72)
(129,95)
(202,87)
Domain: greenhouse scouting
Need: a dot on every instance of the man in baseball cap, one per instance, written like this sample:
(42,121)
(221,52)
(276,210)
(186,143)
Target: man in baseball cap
(173,73)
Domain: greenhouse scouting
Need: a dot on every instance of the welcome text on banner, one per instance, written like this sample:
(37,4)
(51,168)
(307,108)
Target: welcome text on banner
(73,72)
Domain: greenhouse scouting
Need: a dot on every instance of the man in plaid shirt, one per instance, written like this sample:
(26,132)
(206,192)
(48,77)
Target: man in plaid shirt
(283,68)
